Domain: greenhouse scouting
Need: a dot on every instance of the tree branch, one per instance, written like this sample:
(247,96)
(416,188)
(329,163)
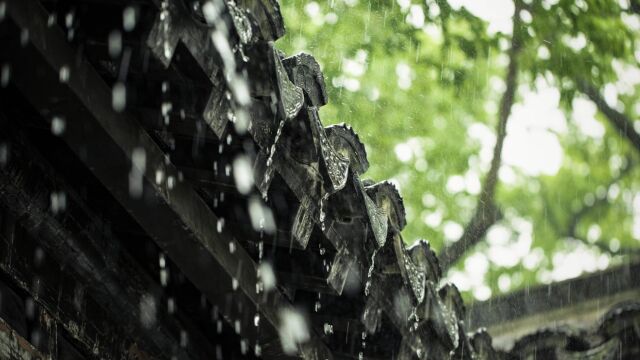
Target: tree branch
(619,120)
(487,212)
(583,211)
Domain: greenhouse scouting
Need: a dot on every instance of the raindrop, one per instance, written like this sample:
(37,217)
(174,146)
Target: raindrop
(58,125)
(64,74)
(115,44)
(138,167)
(68,19)
(258,350)
(3,10)
(171,182)
(162,261)
(183,338)
(147,311)
(166,108)
(220,225)
(328,329)
(243,346)
(256,320)
(267,276)
(5,75)
(293,330)
(261,216)
(171,305)
(129,18)
(243,174)
(58,201)
(118,97)
(51,20)
(159,176)
(232,247)
(236,326)
(164,277)
(24,37)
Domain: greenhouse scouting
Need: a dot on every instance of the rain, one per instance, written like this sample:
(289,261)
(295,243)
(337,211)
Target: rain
(352,179)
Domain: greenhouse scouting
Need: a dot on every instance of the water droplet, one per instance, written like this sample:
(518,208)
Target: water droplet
(292,330)
(171,305)
(64,74)
(5,75)
(129,18)
(118,97)
(267,276)
(51,20)
(58,201)
(58,125)
(115,44)
(164,277)
(24,37)
(147,311)
(232,247)
(159,176)
(166,108)
(68,19)
(242,174)
(220,226)
(256,320)
(328,329)
(183,338)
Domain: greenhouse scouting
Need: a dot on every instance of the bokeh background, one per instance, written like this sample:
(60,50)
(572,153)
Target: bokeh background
(432,86)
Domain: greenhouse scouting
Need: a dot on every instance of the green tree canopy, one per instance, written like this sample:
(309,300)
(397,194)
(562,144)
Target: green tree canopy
(510,127)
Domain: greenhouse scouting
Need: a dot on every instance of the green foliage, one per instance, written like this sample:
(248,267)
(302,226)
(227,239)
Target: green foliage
(419,96)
